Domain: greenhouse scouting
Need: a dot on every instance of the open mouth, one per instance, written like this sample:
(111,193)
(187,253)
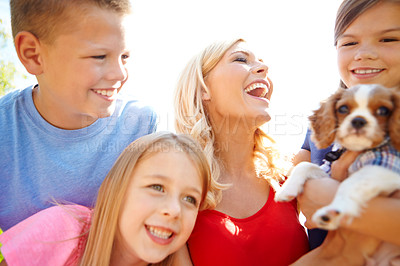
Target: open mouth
(106,92)
(160,232)
(257,90)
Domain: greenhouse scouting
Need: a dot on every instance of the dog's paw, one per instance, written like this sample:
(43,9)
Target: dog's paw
(287,193)
(328,218)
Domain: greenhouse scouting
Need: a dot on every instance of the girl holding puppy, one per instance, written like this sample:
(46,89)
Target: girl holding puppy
(367,38)
(145,211)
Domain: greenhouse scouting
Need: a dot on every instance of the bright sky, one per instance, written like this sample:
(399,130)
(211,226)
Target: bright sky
(294,38)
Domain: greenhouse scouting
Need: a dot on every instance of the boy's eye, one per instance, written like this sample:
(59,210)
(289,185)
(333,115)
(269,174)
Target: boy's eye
(191,200)
(389,40)
(99,56)
(157,187)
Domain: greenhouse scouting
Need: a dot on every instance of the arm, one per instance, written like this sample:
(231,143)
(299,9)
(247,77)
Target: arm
(379,218)
(302,156)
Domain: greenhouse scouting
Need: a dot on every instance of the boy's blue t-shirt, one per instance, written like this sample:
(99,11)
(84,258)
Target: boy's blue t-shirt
(41,164)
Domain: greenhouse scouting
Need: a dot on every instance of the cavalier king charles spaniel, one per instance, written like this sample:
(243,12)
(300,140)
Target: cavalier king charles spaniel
(362,118)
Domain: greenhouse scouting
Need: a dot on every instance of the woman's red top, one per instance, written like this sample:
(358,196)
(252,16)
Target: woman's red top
(272,236)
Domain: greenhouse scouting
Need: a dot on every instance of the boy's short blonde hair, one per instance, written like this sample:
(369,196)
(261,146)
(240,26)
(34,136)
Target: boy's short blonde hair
(45,18)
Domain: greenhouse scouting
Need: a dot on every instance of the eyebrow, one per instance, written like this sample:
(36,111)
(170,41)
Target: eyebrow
(240,51)
(381,32)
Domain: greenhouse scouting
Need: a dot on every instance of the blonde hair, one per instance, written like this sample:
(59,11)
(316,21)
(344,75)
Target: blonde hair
(112,191)
(349,11)
(46,18)
(191,118)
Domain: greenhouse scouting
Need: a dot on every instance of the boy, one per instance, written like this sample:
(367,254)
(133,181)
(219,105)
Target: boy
(60,137)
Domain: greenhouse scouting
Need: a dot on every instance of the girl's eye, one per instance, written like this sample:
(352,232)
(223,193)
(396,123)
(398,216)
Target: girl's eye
(241,59)
(344,109)
(157,187)
(349,44)
(99,56)
(383,111)
(191,200)
(124,56)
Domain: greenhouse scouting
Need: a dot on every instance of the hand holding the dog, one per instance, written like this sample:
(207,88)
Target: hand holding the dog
(317,193)
(339,168)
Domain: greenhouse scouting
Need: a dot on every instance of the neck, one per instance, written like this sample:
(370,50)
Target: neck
(236,152)
(121,256)
(59,118)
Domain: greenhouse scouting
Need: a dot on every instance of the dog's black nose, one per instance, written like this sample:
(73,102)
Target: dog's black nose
(358,122)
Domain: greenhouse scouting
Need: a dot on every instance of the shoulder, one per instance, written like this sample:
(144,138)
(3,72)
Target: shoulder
(12,97)
(134,113)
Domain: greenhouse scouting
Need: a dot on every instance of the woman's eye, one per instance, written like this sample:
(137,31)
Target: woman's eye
(383,111)
(241,59)
(191,200)
(344,109)
(99,56)
(157,187)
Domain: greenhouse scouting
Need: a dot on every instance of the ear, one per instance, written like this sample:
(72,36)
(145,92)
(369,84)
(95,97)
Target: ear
(27,46)
(205,95)
(324,121)
(394,122)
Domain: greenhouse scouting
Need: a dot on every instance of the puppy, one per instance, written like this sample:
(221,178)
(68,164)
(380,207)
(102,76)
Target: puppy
(362,118)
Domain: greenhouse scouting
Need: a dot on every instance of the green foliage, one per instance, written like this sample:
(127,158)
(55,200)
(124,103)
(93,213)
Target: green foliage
(7,69)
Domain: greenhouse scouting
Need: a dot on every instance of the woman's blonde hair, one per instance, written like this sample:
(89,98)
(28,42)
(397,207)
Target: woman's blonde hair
(349,11)
(191,117)
(112,191)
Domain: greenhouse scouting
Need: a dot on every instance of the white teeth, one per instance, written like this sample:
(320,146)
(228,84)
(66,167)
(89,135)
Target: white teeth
(257,85)
(107,93)
(366,71)
(164,234)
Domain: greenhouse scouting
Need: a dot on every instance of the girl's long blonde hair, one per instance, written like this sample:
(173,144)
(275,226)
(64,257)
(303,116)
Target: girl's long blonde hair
(191,118)
(112,191)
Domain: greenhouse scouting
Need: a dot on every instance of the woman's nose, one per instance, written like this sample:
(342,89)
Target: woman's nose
(260,68)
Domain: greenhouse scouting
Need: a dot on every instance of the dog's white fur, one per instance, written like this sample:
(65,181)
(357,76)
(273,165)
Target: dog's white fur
(360,125)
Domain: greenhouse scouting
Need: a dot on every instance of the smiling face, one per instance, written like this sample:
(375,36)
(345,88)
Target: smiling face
(239,87)
(83,69)
(160,207)
(369,49)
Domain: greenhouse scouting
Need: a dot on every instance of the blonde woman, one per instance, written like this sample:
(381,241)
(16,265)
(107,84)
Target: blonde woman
(145,211)
(222,100)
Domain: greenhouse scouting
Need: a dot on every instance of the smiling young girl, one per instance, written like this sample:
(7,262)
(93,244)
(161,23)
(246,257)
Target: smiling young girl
(145,210)
(367,38)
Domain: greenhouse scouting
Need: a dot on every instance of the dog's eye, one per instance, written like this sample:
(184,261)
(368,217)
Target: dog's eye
(344,109)
(383,111)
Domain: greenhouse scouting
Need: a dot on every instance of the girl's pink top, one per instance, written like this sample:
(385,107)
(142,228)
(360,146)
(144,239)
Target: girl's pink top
(54,236)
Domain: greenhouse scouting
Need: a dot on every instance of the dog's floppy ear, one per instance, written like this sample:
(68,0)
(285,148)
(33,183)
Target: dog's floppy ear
(324,121)
(394,122)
